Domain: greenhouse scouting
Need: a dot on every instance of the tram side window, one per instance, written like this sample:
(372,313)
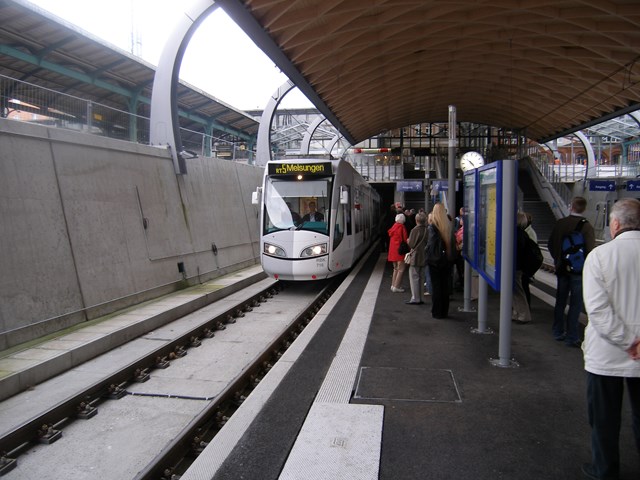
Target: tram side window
(338,232)
(358,213)
(347,211)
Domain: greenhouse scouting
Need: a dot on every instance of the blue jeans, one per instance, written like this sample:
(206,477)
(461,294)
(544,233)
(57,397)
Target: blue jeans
(427,280)
(569,288)
(604,401)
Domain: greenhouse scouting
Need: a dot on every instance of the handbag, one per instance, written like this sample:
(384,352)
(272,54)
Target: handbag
(408,258)
(435,251)
(403,248)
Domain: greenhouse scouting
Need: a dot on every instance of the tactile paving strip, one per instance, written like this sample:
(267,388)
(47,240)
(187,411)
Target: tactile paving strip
(337,441)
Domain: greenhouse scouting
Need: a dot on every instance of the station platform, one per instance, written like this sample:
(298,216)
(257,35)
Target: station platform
(422,400)
(374,388)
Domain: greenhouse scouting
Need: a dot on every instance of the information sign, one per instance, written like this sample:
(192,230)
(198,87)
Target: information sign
(409,186)
(442,185)
(489,228)
(602,185)
(633,185)
(469,234)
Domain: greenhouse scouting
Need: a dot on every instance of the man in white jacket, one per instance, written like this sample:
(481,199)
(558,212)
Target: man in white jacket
(611,285)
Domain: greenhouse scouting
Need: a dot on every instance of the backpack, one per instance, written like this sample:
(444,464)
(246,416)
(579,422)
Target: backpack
(532,258)
(435,251)
(573,250)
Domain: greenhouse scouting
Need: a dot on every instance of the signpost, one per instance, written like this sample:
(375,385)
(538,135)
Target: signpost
(602,185)
(633,185)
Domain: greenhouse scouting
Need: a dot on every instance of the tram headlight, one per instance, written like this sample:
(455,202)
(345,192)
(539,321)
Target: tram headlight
(273,250)
(314,250)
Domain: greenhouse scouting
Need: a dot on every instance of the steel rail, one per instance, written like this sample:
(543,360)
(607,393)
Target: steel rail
(15,441)
(182,451)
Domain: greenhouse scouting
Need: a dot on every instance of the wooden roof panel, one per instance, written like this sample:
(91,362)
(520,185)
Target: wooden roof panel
(557,63)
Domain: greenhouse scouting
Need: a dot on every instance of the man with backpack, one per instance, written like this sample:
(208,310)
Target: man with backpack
(572,238)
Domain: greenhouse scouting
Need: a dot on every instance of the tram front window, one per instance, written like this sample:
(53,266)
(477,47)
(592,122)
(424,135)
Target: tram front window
(297,205)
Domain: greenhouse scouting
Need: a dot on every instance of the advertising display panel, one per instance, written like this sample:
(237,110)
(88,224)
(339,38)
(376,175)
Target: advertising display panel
(469,242)
(489,227)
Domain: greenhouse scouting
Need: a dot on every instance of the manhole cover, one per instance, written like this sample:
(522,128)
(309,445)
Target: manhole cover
(407,384)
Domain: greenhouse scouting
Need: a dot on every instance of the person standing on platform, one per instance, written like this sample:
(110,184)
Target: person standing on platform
(389,220)
(569,283)
(611,347)
(459,219)
(458,258)
(397,235)
(428,288)
(526,279)
(417,241)
(520,311)
(410,219)
(440,232)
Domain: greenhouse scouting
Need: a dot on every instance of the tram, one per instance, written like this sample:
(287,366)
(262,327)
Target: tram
(317,218)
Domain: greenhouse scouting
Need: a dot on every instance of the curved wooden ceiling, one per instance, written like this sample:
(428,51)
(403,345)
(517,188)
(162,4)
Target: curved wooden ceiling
(545,66)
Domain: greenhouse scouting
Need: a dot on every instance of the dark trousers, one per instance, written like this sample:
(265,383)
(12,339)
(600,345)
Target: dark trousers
(604,400)
(460,271)
(526,281)
(440,279)
(569,289)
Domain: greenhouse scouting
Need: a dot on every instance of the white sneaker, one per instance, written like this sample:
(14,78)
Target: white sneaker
(397,290)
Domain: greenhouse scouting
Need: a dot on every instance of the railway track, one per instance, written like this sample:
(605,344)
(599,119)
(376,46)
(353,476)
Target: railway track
(38,444)
(51,441)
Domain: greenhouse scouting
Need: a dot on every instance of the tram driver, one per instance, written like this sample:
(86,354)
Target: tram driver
(313,215)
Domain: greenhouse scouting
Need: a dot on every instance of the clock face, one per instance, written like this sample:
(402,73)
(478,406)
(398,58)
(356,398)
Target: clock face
(471,160)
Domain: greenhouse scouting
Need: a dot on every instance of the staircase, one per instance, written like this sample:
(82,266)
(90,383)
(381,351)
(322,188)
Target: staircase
(543,217)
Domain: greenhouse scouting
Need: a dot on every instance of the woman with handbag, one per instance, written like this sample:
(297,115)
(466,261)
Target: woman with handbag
(417,241)
(397,244)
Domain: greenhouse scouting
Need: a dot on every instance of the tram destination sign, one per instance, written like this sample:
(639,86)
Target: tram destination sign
(294,168)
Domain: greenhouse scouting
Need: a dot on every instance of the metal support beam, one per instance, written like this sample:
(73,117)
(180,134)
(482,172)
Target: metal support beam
(306,140)
(263,153)
(507,259)
(334,142)
(165,127)
(451,171)
(591,157)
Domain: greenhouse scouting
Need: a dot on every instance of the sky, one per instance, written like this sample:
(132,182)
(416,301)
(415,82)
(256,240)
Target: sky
(220,58)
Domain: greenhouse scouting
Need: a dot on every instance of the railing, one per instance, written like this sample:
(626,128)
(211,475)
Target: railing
(26,102)
(375,170)
(575,172)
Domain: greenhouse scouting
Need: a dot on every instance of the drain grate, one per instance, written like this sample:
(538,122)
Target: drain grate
(407,385)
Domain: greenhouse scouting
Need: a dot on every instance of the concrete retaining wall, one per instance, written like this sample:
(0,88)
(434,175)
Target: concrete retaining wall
(89,225)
